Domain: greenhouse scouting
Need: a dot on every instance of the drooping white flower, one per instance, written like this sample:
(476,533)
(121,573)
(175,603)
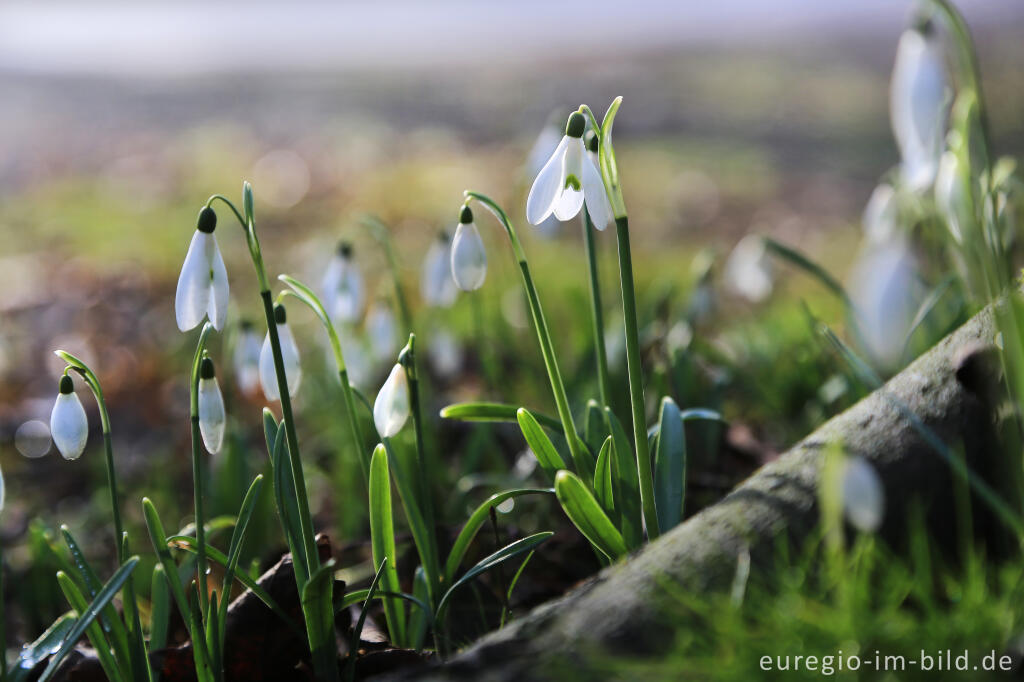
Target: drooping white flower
(436,284)
(343,287)
(569,176)
(444,353)
(357,358)
(469,259)
(952,196)
(391,409)
(211,408)
(246,359)
(68,423)
(884,292)
(546,143)
(881,215)
(289,356)
(748,271)
(382,329)
(918,100)
(863,497)
(203,282)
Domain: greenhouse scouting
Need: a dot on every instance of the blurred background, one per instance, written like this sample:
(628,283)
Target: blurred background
(117,121)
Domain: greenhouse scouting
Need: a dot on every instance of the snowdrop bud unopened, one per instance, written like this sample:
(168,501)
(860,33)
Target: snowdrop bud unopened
(343,287)
(391,409)
(382,330)
(68,424)
(748,271)
(469,259)
(444,353)
(883,289)
(863,497)
(247,359)
(436,284)
(203,283)
(918,101)
(289,355)
(211,408)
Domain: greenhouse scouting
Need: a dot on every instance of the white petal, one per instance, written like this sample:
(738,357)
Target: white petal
(247,362)
(391,408)
(469,259)
(863,497)
(548,186)
(570,200)
(436,284)
(542,149)
(331,282)
(598,207)
(350,296)
(748,271)
(68,425)
(885,297)
(268,377)
(880,219)
(211,415)
(357,361)
(917,106)
(218,305)
(290,355)
(192,298)
(444,353)
(382,329)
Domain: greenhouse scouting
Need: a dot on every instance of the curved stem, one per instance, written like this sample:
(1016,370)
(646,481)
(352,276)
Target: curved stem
(197,467)
(636,382)
(597,317)
(108,448)
(579,455)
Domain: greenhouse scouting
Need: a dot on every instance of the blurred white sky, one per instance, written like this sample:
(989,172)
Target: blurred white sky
(190,38)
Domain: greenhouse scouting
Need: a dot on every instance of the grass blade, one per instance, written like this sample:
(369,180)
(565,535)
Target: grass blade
(287,501)
(550,461)
(94,632)
(495,412)
(382,540)
(670,466)
(357,631)
(159,610)
(45,645)
(604,478)
(594,428)
(586,514)
(235,547)
(804,263)
(626,483)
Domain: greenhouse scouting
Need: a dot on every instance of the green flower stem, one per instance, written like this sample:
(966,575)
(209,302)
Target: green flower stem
(303,293)
(597,317)
(108,448)
(636,386)
(197,468)
(576,449)
(380,232)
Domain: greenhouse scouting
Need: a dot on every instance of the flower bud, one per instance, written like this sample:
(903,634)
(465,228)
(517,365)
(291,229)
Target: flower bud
(246,358)
(289,356)
(469,259)
(436,284)
(863,497)
(211,408)
(343,288)
(382,329)
(68,423)
(391,409)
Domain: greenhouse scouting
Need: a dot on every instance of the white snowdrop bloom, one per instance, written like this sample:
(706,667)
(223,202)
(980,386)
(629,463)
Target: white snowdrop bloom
(382,330)
(246,358)
(883,289)
(748,271)
(343,288)
(570,176)
(952,196)
(289,355)
(357,358)
(68,424)
(469,259)
(203,282)
(444,353)
(918,99)
(881,215)
(436,284)
(863,497)
(540,152)
(211,408)
(391,409)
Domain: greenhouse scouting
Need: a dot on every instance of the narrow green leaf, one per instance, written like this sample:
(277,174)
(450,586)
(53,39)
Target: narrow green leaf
(604,487)
(46,644)
(810,267)
(540,444)
(86,618)
(159,609)
(287,501)
(318,611)
(594,428)
(419,619)
(94,632)
(925,309)
(495,412)
(382,540)
(270,431)
(476,520)
(669,466)
(609,167)
(626,483)
(586,514)
(357,631)
(235,548)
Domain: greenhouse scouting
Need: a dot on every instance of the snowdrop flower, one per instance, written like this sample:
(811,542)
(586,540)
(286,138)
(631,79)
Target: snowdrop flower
(211,408)
(748,271)
(391,409)
(289,355)
(882,286)
(469,260)
(383,331)
(203,282)
(952,196)
(917,104)
(863,497)
(546,143)
(570,176)
(68,424)
(357,358)
(881,219)
(436,284)
(344,291)
(247,359)
(444,353)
